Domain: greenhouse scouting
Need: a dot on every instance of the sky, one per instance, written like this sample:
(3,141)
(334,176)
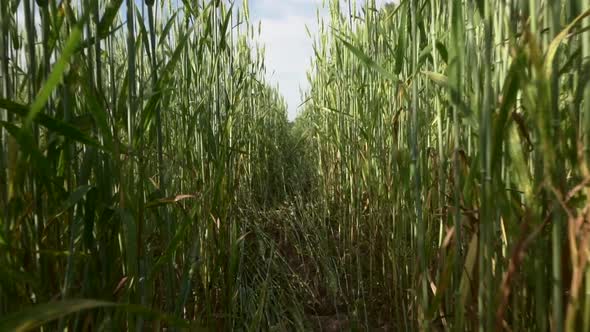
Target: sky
(288,47)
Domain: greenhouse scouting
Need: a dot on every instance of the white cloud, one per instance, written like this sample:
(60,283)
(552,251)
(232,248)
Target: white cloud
(288,50)
(288,47)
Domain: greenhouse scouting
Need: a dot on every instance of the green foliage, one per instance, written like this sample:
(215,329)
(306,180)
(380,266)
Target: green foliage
(126,163)
(452,144)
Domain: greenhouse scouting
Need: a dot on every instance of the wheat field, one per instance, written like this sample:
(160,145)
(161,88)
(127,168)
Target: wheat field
(436,179)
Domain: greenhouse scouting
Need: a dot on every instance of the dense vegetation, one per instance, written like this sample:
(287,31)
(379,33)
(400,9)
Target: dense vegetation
(437,178)
(133,147)
(453,141)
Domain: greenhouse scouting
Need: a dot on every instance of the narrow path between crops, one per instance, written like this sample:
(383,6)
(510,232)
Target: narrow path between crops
(316,269)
